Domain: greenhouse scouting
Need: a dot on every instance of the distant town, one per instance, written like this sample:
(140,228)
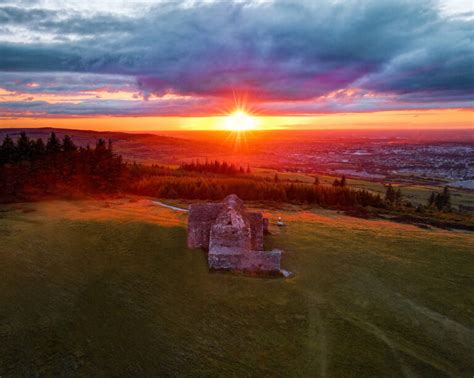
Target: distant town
(379,159)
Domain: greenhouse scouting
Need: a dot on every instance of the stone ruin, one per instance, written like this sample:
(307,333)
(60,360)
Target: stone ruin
(232,236)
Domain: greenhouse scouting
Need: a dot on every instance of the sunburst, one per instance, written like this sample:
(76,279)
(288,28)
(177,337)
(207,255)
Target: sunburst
(239,120)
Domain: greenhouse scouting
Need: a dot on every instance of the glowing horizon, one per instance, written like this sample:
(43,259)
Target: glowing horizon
(426,119)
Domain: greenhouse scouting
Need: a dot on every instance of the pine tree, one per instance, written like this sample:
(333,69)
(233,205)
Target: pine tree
(447,198)
(53,146)
(38,149)
(100,145)
(224,167)
(316,180)
(439,201)
(443,200)
(390,194)
(68,145)
(343,182)
(431,199)
(7,151)
(398,197)
(23,147)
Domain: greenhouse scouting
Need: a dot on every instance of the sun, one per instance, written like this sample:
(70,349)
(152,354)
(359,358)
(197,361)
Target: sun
(239,120)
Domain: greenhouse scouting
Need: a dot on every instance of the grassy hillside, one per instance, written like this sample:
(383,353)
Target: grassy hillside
(90,288)
(416,193)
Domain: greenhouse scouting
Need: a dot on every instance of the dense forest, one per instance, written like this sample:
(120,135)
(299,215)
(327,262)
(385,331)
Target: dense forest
(256,189)
(216,167)
(34,169)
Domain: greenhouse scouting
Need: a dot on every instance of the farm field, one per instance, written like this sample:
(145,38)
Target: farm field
(109,287)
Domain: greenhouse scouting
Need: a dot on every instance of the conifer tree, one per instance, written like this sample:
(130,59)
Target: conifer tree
(53,146)
(398,197)
(390,194)
(447,198)
(443,200)
(38,149)
(23,147)
(342,183)
(7,150)
(68,145)
(431,199)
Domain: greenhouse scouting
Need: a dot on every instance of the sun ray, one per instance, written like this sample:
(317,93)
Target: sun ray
(239,118)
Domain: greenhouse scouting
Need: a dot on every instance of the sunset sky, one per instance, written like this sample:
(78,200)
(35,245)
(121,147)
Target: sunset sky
(151,65)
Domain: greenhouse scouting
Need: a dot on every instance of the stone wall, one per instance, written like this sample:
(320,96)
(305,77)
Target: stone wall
(233,237)
(253,261)
(257,226)
(231,232)
(200,220)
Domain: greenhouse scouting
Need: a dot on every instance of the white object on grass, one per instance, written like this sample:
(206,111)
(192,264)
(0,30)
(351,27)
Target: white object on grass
(169,206)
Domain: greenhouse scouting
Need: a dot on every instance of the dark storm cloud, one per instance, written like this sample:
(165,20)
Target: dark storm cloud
(274,51)
(31,57)
(65,83)
(196,106)
(64,22)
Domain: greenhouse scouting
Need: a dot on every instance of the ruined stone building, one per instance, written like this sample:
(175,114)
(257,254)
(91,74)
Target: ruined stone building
(232,235)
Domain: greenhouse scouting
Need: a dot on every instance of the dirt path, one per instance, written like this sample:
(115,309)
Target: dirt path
(169,206)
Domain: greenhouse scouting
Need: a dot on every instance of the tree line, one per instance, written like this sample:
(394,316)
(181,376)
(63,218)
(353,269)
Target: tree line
(393,197)
(30,168)
(216,167)
(441,201)
(436,201)
(216,188)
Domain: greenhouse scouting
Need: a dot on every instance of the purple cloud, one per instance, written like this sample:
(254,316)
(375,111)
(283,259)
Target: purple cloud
(286,56)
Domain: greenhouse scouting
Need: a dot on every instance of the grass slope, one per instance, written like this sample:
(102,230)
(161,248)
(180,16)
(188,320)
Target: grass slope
(416,193)
(94,288)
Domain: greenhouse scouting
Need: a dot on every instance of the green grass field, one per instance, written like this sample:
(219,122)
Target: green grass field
(416,193)
(93,288)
